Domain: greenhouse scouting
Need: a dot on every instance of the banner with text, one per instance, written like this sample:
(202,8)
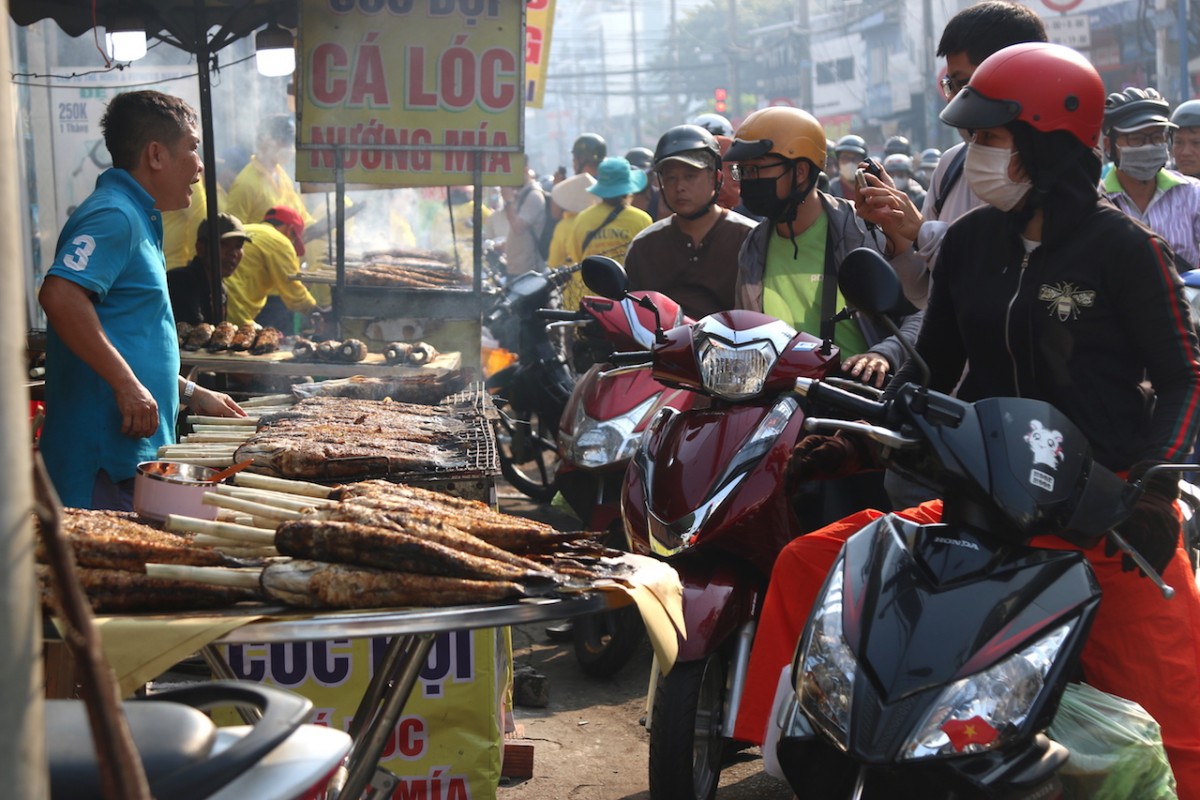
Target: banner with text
(539,26)
(442,78)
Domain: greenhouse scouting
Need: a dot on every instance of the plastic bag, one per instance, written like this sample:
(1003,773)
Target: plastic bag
(1116,748)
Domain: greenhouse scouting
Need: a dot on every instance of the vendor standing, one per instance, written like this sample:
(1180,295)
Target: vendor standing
(113,388)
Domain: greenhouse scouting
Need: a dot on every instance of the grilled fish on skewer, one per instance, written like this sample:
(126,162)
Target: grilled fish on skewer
(243,338)
(304,349)
(397,352)
(267,341)
(182,329)
(352,351)
(112,590)
(313,584)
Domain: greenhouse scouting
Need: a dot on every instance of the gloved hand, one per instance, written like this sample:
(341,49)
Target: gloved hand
(827,458)
(1153,528)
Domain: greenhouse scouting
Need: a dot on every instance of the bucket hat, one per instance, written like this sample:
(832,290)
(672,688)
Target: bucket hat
(616,177)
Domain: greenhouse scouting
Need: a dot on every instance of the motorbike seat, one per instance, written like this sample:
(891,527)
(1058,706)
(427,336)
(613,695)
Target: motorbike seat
(168,736)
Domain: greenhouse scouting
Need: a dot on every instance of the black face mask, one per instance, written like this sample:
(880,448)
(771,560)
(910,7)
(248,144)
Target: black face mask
(759,197)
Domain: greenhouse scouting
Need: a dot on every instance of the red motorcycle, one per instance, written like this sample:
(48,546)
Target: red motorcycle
(706,491)
(598,435)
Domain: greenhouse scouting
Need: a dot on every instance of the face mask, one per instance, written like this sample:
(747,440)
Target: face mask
(901,183)
(1143,163)
(759,197)
(847,170)
(986,171)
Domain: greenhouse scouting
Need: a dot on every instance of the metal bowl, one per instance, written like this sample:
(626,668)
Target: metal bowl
(166,487)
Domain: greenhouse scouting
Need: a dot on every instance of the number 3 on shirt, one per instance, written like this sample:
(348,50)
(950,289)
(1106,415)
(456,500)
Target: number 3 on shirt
(84,246)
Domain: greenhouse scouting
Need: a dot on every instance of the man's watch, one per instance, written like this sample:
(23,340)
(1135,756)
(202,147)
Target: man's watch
(189,389)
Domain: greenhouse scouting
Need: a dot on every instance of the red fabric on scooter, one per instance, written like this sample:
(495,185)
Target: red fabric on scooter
(1141,647)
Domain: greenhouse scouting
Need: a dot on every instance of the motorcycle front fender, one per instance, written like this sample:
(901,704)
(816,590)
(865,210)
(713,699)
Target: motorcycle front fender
(718,598)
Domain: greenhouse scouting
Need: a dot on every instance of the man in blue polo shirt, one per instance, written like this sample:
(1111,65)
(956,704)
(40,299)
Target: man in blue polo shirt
(112,359)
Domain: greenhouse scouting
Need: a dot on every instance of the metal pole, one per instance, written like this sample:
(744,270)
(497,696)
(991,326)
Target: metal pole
(203,58)
(22,737)
(1185,78)
(930,129)
(637,95)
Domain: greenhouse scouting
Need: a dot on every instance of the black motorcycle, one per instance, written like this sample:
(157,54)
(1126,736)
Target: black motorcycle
(936,655)
(532,392)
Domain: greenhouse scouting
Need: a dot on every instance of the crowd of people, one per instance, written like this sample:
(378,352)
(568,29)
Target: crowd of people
(986,238)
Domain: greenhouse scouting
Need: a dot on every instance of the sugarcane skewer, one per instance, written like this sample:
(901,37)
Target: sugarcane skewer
(258,510)
(225,530)
(255,481)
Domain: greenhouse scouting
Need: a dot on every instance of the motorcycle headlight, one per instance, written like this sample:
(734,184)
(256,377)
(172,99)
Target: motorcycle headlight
(735,372)
(824,668)
(987,710)
(598,443)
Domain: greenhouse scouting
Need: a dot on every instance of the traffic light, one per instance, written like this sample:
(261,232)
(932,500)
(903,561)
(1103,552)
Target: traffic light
(719,96)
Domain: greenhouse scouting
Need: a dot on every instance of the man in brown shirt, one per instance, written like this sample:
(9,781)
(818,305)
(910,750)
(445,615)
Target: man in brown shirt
(692,255)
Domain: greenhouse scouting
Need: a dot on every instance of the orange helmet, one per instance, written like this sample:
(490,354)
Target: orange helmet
(1048,86)
(782,130)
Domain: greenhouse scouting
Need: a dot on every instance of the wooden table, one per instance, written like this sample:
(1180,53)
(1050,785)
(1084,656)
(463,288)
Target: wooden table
(283,364)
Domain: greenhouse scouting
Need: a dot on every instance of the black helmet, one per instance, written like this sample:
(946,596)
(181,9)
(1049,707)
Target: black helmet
(690,144)
(640,157)
(897,144)
(715,124)
(851,144)
(1187,115)
(1135,108)
(590,148)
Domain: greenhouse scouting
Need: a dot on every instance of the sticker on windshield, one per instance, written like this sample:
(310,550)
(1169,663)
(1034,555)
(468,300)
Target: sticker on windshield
(1046,445)
(805,347)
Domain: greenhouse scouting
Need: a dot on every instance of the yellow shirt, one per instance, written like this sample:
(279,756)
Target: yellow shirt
(179,227)
(610,240)
(557,256)
(257,189)
(268,265)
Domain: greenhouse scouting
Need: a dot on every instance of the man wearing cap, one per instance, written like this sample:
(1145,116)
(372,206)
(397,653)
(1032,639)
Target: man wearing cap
(1136,128)
(607,228)
(270,264)
(690,256)
(190,286)
(1185,138)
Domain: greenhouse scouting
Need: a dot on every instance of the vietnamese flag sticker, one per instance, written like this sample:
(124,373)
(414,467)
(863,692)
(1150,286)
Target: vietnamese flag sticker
(975,730)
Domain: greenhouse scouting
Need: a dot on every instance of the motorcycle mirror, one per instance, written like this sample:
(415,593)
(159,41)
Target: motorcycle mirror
(605,277)
(871,286)
(869,283)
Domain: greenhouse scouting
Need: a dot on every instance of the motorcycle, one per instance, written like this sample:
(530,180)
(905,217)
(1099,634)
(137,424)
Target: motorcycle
(532,392)
(186,757)
(935,655)
(598,434)
(705,490)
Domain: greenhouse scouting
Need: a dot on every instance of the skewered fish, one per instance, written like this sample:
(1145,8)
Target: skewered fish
(199,336)
(397,352)
(386,546)
(111,540)
(222,337)
(313,584)
(328,350)
(267,341)
(244,338)
(182,329)
(112,590)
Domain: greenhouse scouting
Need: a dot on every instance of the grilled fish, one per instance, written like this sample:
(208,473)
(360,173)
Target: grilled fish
(112,590)
(199,336)
(243,338)
(222,337)
(267,341)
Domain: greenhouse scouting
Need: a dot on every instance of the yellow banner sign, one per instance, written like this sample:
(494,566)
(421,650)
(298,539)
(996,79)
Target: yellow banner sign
(432,84)
(539,26)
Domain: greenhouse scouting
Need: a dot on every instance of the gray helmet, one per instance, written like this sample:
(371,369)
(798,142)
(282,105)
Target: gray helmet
(1187,114)
(929,158)
(897,144)
(851,144)
(715,124)
(1134,108)
(640,157)
(590,148)
(691,144)
(898,164)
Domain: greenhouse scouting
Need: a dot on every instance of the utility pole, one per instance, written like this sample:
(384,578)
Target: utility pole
(931,130)
(731,51)
(804,29)
(634,79)
(673,79)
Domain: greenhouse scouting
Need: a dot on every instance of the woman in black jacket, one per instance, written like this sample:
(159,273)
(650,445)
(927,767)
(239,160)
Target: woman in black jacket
(1050,292)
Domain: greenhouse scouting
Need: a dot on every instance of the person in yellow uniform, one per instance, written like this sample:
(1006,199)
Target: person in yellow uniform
(571,195)
(606,228)
(270,262)
(264,183)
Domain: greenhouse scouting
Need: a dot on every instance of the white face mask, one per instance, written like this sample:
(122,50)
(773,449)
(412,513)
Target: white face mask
(986,171)
(1142,163)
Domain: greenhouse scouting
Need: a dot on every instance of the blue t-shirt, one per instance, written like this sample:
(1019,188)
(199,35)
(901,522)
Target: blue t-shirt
(112,247)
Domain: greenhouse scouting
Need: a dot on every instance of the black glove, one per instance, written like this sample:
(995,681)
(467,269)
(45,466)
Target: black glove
(827,458)
(1153,528)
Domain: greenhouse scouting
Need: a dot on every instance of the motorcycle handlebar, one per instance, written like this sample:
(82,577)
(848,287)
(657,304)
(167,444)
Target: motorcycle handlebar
(560,315)
(856,405)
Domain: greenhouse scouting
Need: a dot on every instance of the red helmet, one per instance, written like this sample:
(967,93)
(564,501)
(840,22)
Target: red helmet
(1049,86)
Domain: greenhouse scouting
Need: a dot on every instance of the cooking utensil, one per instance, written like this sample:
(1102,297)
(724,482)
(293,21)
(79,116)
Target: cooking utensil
(225,473)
